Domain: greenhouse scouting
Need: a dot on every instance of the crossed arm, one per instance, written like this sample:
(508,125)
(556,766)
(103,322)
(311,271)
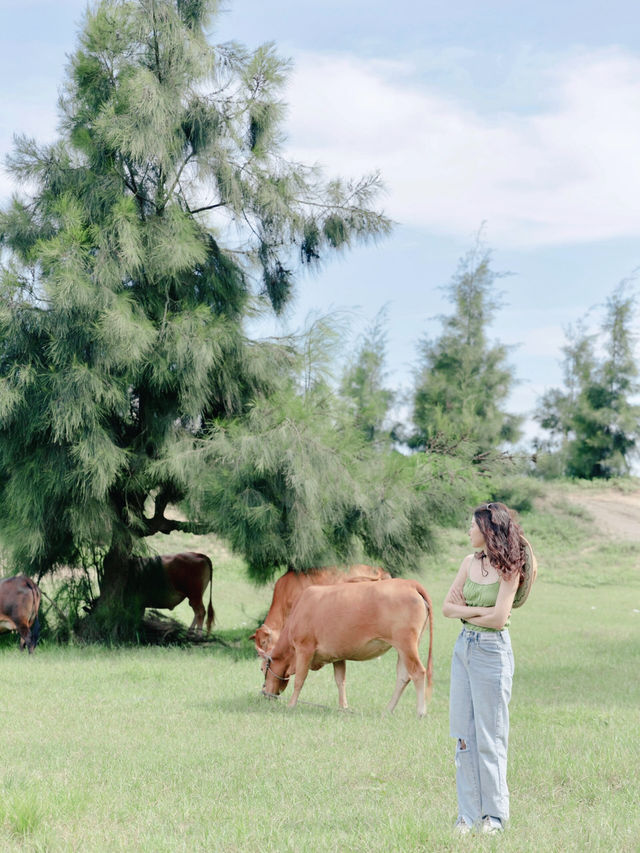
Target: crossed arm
(455,606)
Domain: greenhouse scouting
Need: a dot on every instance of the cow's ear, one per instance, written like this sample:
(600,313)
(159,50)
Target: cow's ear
(253,636)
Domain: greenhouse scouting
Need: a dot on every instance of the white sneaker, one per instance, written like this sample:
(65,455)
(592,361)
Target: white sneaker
(461,827)
(491,825)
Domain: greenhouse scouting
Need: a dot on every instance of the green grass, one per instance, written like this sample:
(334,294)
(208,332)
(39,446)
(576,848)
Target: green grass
(156,749)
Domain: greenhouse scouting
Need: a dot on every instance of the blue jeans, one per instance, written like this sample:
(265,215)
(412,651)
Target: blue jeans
(481,676)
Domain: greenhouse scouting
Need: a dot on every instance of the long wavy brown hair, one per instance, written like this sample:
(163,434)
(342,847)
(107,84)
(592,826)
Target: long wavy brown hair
(504,540)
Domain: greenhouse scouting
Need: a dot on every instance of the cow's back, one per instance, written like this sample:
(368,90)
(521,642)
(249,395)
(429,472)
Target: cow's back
(187,570)
(336,619)
(290,586)
(168,579)
(338,574)
(19,603)
(286,592)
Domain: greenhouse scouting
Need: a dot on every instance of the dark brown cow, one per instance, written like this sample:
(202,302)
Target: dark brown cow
(169,579)
(361,621)
(19,605)
(290,586)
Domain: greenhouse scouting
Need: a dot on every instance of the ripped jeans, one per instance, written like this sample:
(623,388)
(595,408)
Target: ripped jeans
(481,676)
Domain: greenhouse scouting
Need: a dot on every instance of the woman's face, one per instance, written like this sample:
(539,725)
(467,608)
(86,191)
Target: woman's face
(475,535)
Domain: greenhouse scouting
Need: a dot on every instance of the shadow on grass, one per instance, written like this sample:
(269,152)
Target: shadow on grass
(233,644)
(10,640)
(158,629)
(254,702)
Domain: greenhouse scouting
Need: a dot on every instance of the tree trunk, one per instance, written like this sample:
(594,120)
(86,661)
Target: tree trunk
(119,609)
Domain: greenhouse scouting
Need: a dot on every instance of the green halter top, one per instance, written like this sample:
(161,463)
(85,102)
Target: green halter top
(481,595)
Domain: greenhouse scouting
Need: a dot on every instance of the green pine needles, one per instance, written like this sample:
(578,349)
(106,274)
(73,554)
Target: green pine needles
(593,423)
(163,216)
(463,381)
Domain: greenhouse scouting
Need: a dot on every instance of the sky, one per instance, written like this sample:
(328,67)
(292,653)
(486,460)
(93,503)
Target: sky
(521,120)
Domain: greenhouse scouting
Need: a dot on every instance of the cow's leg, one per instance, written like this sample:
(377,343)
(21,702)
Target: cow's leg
(402,679)
(419,677)
(340,675)
(198,608)
(31,643)
(412,666)
(25,637)
(420,683)
(303,660)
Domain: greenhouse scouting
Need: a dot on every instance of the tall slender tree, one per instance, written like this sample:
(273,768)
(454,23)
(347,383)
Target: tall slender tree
(556,407)
(162,217)
(362,385)
(594,423)
(463,381)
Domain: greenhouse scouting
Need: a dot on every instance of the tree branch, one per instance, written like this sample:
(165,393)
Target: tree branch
(160,524)
(177,178)
(208,207)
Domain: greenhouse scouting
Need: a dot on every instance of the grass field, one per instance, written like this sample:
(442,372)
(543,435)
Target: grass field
(173,749)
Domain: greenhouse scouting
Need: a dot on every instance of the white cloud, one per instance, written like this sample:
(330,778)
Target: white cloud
(567,173)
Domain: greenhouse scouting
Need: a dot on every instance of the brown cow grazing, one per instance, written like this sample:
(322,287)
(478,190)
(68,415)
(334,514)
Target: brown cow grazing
(359,621)
(19,605)
(166,581)
(290,586)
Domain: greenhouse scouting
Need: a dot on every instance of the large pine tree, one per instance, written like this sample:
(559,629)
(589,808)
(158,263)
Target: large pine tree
(163,216)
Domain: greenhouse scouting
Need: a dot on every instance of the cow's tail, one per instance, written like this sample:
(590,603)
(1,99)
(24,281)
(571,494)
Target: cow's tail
(211,614)
(35,627)
(35,634)
(427,599)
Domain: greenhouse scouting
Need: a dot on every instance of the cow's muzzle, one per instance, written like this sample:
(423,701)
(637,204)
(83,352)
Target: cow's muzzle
(267,669)
(269,695)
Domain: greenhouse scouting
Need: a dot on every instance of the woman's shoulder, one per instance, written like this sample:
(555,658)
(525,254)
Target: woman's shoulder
(468,562)
(465,567)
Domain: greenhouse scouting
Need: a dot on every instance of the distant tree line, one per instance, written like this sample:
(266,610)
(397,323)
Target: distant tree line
(591,425)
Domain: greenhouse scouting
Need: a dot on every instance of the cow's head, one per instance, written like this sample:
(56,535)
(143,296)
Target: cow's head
(265,638)
(276,675)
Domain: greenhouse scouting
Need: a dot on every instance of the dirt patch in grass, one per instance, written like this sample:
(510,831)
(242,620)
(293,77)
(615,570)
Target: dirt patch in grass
(616,513)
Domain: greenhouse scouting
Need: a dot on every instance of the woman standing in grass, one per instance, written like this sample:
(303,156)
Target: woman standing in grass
(488,584)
